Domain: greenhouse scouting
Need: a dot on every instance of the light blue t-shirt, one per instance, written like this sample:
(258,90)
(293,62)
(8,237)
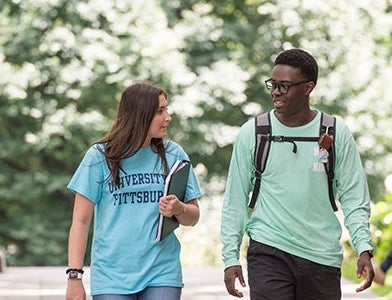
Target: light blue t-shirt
(125,257)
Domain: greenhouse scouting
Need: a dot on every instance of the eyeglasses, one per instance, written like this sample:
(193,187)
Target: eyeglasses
(283,87)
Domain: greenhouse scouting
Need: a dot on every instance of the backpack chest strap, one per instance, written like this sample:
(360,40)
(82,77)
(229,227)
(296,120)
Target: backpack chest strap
(290,139)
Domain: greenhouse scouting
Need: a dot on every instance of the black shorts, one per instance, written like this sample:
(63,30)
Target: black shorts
(274,274)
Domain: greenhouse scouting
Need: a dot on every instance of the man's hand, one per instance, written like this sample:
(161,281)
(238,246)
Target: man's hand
(231,274)
(365,270)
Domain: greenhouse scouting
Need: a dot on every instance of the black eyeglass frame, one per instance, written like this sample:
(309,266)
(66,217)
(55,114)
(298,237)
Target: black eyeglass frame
(272,85)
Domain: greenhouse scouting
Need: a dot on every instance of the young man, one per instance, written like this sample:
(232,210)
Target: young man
(294,251)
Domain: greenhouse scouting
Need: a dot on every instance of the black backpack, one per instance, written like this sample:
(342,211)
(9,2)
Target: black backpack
(264,139)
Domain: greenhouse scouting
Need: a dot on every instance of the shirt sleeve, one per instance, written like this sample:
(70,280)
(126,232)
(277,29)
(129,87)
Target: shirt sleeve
(192,189)
(352,190)
(176,152)
(88,178)
(236,198)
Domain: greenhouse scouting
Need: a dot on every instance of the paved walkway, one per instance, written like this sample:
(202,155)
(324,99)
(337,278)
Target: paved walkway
(48,283)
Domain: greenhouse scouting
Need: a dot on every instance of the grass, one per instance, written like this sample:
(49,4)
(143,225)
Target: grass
(349,271)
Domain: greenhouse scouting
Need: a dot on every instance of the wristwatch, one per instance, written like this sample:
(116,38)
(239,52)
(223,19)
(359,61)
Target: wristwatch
(370,252)
(74,273)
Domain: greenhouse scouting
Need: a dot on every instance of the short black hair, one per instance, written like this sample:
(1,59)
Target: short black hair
(300,60)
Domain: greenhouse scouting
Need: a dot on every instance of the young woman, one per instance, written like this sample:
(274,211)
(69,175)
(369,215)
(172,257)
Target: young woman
(121,182)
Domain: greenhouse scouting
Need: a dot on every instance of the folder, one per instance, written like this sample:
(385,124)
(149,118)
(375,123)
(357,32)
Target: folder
(175,184)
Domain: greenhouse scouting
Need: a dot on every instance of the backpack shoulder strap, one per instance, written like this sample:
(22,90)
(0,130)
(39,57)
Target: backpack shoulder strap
(328,126)
(263,138)
(262,145)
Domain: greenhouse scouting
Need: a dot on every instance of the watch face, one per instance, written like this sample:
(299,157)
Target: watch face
(73,275)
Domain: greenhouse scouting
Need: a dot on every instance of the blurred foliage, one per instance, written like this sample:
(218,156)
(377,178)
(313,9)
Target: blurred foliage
(65,62)
(382,222)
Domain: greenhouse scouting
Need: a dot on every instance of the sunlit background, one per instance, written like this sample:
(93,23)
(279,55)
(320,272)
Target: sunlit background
(64,63)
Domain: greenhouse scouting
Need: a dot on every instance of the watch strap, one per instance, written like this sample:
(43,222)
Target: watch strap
(370,252)
(73,273)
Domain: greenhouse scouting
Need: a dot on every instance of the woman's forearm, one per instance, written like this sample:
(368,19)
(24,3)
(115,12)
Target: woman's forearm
(190,213)
(78,234)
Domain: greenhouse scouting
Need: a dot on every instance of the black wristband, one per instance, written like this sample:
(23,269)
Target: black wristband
(370,252)
(76,270)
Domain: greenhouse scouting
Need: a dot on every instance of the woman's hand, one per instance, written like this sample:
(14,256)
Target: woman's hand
(186,213)
(75,290)
(170,206)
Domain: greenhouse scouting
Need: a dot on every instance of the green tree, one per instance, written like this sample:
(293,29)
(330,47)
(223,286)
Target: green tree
(350,41)
(64,63)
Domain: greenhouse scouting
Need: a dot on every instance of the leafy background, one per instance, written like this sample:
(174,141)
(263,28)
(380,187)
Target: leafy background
(64,63)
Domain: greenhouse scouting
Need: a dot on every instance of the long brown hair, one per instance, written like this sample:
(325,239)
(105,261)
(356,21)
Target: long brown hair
(138,105)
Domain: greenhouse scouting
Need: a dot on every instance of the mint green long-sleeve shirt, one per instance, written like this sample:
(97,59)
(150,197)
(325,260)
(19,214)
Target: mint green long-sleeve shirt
(293,212)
